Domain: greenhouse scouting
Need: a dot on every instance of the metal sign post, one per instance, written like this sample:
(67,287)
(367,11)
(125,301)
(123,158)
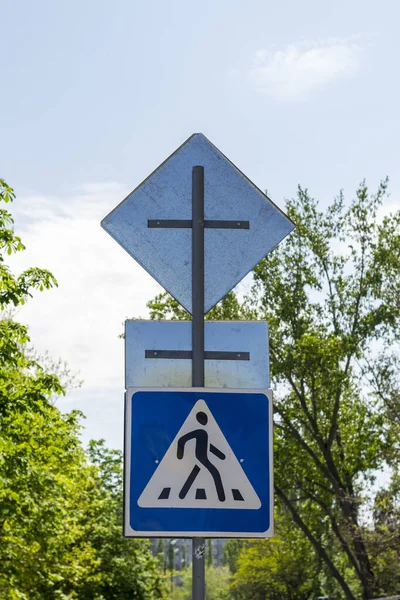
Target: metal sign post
(198,548)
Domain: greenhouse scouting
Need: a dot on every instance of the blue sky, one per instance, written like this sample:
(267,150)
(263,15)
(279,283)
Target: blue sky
(96,94)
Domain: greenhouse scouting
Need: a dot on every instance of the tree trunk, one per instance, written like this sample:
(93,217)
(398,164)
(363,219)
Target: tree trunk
(366,577)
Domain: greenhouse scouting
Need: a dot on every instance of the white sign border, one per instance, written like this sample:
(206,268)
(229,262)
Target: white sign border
(129,532)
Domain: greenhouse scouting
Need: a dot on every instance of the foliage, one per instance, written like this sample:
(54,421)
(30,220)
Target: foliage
(272,571)
(384,538)
(171,556)
(60,515)
(217,584)
(209,554)
(43,551)
(231,551)
(283,567)
(331,296)
(15,290)
(164,306)
(160,555)
(184,562)
(128,570)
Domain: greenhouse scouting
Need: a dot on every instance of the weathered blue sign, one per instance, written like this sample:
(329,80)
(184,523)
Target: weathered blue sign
(158,354)
(153,224)
(198,461)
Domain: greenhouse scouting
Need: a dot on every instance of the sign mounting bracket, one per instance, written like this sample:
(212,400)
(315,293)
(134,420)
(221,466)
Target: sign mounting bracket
(188,224)
(188,355)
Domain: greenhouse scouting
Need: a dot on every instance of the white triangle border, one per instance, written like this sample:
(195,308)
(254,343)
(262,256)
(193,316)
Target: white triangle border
(127,529)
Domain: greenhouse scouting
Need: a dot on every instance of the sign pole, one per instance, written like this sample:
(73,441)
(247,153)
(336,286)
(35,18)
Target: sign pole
(198,548)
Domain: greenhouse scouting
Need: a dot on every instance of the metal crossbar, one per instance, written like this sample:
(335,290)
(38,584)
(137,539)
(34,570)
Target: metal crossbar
(188,224)
(188,355)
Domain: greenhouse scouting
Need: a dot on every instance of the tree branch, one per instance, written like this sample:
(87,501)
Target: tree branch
(317,545)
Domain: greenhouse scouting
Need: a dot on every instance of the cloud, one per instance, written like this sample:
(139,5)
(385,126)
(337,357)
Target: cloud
(300,69)
(99,286)
(388,208)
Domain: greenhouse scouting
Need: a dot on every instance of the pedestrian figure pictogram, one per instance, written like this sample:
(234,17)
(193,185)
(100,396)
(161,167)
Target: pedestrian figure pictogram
(199,469)
(201,452)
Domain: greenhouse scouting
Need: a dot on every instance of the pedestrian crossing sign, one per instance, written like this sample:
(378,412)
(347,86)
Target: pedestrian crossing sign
(198,462)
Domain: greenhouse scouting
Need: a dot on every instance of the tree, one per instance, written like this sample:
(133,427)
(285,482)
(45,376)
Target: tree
(231,551)
(327,306)
(126,568)
(160,553)
(331,296)
(282,568)
(171,561)
(184,562)
(210,557)
(60,516)
(15,290)
(384,538)
(217,584)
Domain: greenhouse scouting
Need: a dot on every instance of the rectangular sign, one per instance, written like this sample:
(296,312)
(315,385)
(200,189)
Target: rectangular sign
(239,348)
(198,462)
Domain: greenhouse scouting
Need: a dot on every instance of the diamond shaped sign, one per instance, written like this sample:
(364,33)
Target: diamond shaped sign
(166,253)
